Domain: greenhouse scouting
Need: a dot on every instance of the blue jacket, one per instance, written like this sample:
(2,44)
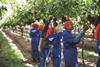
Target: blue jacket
(55,39)
(35,36)
(69,39)
(34,33)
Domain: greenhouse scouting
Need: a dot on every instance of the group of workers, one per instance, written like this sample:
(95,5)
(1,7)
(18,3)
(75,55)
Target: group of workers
(47,37)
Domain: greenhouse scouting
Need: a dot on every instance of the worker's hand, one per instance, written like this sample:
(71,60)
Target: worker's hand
(39,48)
(85,28)
(51,45)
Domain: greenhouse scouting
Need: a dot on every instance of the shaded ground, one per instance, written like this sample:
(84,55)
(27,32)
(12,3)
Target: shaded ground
(25,48)
(23,45)
(9,57)
(89,44)
(2,62)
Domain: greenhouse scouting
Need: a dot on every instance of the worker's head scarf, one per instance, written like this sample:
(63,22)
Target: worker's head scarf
(97,33)
(67,24)
(34,25)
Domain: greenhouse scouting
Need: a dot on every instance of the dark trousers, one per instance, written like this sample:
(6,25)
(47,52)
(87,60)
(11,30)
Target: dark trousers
(43,55)
(98,62)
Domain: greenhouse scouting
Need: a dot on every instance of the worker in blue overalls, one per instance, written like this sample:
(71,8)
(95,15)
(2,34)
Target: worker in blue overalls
(56,49)
(69,42)
(35,35)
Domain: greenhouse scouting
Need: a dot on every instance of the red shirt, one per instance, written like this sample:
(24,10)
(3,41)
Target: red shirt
(41,27)
(50,31)
(97,33)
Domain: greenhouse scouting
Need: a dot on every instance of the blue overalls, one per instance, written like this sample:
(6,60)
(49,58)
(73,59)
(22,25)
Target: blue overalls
(70,50)
(35,35)
(56,51)
(98,50)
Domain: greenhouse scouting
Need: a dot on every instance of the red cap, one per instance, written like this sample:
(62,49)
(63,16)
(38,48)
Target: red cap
(67,24)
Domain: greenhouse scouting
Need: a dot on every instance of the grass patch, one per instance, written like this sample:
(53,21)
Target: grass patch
(88,55)
(7,55)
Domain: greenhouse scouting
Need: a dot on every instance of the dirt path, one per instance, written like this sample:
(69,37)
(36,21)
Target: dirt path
(23,45)
(25,48)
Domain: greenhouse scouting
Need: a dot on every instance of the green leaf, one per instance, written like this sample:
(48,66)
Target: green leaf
(3,1)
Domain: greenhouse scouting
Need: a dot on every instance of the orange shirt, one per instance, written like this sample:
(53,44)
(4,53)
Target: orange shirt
(50,31)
